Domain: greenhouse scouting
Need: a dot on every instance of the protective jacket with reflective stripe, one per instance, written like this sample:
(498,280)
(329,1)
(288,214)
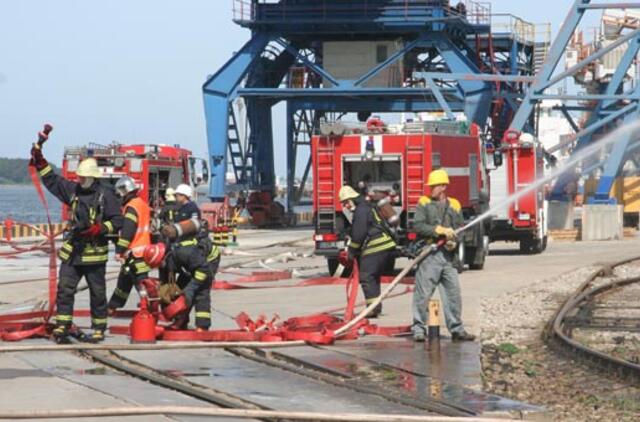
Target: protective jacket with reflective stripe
(368,235)
(96,204)
(135,234)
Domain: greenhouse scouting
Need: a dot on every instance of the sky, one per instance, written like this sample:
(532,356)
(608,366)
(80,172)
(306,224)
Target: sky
(130,71)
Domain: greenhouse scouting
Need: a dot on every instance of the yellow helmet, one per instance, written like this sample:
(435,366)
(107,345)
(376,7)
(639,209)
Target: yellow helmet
(438,177)
(88,168)
(346,193)
(170,194)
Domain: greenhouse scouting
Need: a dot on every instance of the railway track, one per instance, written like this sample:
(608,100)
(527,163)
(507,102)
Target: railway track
(281,362)
(594,321)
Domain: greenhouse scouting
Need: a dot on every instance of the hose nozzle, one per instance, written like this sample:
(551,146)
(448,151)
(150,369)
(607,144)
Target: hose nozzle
(44,134)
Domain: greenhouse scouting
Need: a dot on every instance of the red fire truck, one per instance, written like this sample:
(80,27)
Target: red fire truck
(523,220)
(153,167)
(397,162)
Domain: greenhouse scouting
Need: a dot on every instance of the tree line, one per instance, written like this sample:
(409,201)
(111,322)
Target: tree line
(14,171)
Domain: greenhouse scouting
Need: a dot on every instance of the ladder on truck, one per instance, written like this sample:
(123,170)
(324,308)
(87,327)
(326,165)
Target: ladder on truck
(325,186)
(415,176)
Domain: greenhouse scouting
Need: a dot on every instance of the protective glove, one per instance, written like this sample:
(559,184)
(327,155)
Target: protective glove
(451,245)
(94,230)
(169,231)
(37,159)
(447,232)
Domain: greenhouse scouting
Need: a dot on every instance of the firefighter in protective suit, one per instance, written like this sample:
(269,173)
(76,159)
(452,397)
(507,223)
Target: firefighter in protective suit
(190,259)
(371,244)
(436,218)
(134,237)
(94,213)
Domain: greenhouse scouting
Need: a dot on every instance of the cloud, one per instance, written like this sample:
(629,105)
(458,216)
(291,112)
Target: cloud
(3,78)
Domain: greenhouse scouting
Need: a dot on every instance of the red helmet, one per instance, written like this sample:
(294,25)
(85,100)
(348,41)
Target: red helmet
(153,254)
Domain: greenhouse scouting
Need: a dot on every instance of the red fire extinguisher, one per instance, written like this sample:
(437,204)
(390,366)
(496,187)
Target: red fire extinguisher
(143,324)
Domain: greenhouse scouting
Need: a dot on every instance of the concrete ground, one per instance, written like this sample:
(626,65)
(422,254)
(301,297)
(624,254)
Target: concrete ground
(61,380)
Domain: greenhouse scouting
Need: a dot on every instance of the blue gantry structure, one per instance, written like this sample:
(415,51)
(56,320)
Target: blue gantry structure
(614,101)
(452,63)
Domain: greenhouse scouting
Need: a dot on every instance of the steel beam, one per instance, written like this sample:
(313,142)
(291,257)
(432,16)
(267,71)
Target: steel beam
(390,60)
(218,91)
(567,116)
(615,160)
(590,59)
(610,6)
(553,58)
(299,56)
(478,95)
(443,103)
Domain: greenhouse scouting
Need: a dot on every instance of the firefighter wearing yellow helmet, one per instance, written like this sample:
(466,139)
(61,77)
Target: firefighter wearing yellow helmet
(370,243)
(94,213)
(436,218)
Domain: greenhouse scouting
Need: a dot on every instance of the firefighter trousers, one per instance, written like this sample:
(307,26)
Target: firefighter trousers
(195,281)
(133,271)
(69,277)
(371,268)
(437,270)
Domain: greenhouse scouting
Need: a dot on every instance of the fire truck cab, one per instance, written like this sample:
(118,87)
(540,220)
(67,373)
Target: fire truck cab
(153,167)
(396,161)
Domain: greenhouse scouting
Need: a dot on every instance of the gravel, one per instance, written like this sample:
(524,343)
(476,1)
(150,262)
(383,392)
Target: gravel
(516,363)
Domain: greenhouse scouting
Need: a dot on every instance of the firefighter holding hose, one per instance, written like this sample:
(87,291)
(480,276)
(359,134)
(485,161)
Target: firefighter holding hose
(134,237)
(371,244)
(94,214)
(193,258)
(436,218)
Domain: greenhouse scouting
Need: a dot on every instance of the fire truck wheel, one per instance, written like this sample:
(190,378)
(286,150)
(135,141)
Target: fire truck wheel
(475,258)
(526,245)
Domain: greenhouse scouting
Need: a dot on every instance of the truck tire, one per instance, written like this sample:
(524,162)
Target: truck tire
(332,265)
(538,245)
(476,258)
(526,245)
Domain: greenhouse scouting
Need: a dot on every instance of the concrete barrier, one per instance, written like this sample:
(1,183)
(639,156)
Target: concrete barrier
(18,231)
(602,222)
(561,215)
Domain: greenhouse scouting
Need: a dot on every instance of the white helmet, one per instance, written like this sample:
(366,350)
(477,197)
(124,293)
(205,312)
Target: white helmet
(184,190)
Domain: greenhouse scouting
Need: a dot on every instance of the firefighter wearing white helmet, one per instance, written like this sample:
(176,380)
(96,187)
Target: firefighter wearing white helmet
(134,237)
(370,244)
(94,212)
(436,218)
(194,258)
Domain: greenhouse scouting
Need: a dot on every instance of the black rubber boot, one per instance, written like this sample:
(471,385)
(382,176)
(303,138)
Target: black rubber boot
(463,336)
(61,334)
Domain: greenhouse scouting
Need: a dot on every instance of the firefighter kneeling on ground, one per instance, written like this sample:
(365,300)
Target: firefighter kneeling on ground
(94,213)
(436,219)
(134,237)
(191,260)
(370,244)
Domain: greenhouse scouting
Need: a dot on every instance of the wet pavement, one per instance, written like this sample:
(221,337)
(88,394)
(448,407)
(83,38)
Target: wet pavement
(452,372)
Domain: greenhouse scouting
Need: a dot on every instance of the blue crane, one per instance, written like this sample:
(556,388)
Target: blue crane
(450,60)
